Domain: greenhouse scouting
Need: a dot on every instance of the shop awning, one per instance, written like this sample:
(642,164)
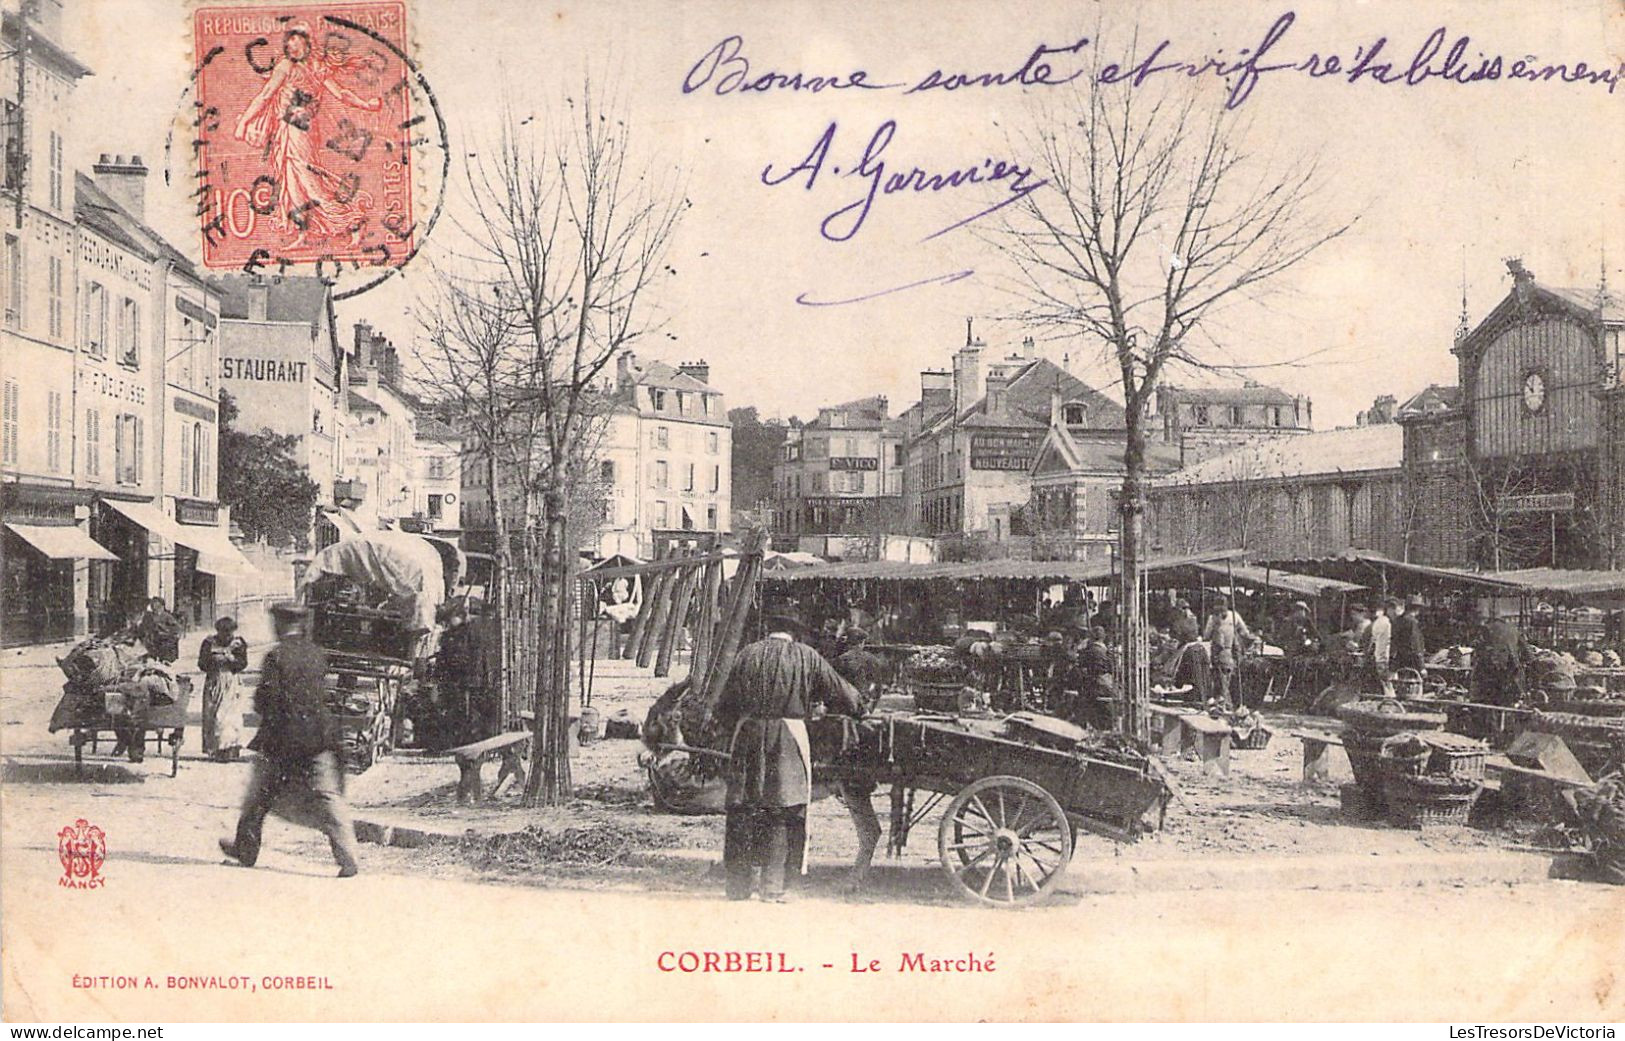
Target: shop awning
(62,541)
(215,553)
(343,520)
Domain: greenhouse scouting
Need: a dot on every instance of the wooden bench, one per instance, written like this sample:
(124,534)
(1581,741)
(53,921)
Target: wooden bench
(1315,746)
(1166,725)
(472,757)
(1211,738)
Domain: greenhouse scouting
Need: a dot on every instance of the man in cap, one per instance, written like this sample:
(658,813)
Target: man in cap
(765,704)
(861,667)
(1499,659)
(297,744)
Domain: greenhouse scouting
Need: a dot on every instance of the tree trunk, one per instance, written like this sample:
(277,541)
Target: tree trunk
(549,780)
(1131,614)
(504,595)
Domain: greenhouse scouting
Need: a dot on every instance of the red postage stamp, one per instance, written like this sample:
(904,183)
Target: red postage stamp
(304,135)
(82,848)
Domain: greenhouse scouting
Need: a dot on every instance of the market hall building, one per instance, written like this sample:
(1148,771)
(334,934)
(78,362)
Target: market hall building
(1527,468)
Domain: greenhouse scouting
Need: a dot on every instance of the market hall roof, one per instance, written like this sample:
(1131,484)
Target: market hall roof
(1326,452)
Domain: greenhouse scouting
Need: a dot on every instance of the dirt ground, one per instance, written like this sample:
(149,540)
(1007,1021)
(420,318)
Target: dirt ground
(1262,808)
(611,835)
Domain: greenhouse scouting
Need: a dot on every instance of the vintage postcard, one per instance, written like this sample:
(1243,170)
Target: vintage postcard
(812,511)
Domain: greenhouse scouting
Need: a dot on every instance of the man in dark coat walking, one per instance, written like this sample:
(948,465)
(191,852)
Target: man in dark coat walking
(770,694)
(297,744)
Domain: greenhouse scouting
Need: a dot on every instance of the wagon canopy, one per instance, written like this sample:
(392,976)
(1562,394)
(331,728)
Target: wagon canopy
(406,565)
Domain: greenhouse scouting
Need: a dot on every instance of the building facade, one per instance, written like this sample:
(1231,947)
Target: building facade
(1206,421)
(281,362)
(1077,482)
(840,474)
(658,470)
(107,470)
(972,444)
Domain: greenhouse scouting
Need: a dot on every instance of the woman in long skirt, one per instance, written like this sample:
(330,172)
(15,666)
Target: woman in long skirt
(221,658)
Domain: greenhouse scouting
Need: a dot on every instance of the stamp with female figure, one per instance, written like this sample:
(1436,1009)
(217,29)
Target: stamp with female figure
(305,135)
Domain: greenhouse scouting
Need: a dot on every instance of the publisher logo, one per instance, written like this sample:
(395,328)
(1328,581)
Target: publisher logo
(82,848)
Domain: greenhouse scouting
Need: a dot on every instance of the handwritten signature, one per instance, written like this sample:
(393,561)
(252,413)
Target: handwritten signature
(843,223)
(725,70)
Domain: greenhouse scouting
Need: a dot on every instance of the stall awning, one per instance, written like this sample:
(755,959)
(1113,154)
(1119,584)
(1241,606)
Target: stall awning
(215,553)
(1281,581)
(62,541)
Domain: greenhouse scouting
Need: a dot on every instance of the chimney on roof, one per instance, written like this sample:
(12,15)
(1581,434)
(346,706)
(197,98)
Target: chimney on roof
(997,381)
(936,391)
(967,372)
(259,299)
(125,180)
(626,365)
(1055,411)
(1027,347)
(700,370)
(363,341)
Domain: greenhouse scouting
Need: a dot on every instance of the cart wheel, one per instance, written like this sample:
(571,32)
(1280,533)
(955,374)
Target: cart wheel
(1005,841)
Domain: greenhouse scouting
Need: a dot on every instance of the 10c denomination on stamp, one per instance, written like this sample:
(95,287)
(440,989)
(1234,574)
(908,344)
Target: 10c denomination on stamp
(305,134)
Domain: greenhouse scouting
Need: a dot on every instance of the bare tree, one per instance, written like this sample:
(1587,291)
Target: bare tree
(569,233)
(469,367)
(1153,214)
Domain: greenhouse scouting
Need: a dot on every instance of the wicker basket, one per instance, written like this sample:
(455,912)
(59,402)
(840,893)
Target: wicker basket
(1365,759)
(1404,755)
(1424,802)
(1456,756)
(1385,717)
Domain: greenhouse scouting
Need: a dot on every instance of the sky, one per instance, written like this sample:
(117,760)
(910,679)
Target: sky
(1442,181)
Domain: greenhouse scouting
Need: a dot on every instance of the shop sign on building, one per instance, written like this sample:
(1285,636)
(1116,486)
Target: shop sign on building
(1003,451)
(846,462)
(1554,502)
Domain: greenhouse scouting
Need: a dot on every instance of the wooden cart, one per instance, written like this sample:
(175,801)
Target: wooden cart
(85,716)
(1019,790)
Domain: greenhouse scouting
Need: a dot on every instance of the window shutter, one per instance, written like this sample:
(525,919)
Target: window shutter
(186,458)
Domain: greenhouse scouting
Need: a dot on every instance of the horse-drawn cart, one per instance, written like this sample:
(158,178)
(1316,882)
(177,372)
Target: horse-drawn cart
(1019,790)
(375,598)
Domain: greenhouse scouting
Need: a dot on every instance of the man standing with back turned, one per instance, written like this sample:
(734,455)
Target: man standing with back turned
(769,696)
(297,744)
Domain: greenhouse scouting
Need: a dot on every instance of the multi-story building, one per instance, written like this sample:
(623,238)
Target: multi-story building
(282,364)
(380,441)
(437,488)
(840,474)
(106,445)
(1207,421)
(972,441)
(46,566)
(659,464)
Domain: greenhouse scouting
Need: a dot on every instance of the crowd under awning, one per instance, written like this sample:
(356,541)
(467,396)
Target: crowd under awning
(215,552)
(61,541)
